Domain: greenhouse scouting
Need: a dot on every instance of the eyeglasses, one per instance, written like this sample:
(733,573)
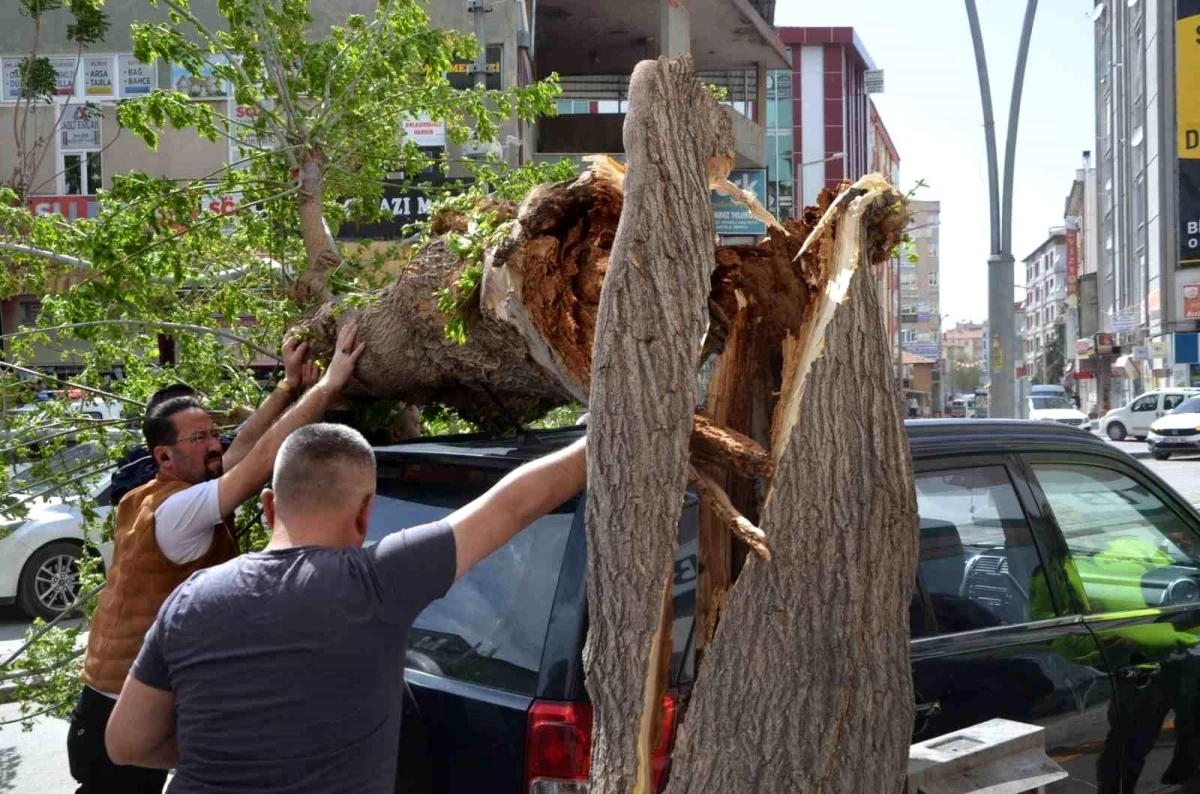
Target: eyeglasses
(200,435)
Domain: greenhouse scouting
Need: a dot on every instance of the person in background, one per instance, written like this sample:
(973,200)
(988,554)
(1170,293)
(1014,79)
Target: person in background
(176,524)
(283,670)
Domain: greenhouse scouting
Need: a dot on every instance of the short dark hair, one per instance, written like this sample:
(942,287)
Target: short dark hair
(169,392)
(320,461)
(158,426)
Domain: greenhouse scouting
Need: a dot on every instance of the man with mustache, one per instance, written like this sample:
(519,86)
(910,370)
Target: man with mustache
(176,524)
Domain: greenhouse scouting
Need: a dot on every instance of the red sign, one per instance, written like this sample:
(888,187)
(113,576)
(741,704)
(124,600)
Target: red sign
(70,207)
(1191,302)
(1072,261)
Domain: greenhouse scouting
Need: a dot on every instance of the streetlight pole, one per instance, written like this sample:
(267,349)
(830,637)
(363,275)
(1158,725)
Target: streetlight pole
(1001,317)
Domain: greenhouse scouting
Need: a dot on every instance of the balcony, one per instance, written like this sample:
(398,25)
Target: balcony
(595,46)
(591,115)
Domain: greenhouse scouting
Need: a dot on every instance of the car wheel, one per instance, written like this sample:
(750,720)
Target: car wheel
(1116,431)
(1161,455)
(50,580)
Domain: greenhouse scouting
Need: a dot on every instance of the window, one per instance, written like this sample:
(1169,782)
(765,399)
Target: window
(1147,403)
(29,312)
(977,554)
(490,628)
(933,280)
(1127,549)
(1171,401)
(82,173)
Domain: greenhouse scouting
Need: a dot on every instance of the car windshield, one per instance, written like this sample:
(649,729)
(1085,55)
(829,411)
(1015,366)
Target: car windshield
(1050,401)
(1188,406)
(37,478)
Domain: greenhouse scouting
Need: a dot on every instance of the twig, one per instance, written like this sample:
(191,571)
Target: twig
(41,253)
(37,635)
(80,386)
(100,468)
(36,714)
(42,670)
(323,120)
(150,324)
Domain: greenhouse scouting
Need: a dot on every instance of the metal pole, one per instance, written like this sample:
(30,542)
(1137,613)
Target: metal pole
(479,69)
(1001,316)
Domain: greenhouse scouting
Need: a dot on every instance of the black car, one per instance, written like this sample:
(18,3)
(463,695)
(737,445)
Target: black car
(1059,585)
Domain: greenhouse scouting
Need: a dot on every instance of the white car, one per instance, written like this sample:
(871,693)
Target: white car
(39,552)
(1056,408)
(1178,431)
(1135,418)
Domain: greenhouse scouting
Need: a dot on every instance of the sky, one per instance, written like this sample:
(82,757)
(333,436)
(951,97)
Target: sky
(932,111)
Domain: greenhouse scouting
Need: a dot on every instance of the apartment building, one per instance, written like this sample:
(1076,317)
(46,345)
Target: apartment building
(920,303)
(1147,89)
(1046,308)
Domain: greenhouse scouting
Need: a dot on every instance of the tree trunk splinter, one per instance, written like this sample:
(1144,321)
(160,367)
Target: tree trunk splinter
(652,317)
(806,685)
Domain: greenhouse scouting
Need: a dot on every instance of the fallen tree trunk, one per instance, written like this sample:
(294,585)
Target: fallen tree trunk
(609,289)
(532,325)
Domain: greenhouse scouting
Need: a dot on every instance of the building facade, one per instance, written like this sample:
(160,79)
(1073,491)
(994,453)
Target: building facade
(1147,67)
(820,126)
(885,160)
(1086,375)
(1044,336)
(920,302)
(592,47)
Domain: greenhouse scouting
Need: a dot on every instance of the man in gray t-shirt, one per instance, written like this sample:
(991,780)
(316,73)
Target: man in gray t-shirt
(282,670)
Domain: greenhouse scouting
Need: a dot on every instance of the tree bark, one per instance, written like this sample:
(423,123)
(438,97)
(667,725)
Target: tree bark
(649,331)
(806,686)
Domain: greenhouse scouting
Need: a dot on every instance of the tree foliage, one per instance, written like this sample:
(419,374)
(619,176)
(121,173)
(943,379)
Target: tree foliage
(322,132)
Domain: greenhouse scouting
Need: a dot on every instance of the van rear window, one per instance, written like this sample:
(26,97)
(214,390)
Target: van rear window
(490,629)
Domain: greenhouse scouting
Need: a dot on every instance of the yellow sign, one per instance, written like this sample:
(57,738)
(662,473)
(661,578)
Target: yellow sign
(1187,77)
(1187,110)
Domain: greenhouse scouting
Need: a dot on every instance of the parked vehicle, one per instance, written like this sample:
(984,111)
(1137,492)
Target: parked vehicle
(1053,407)
(962,408)
(1058,585)
(1134,419)
(40,552)
(1047,390)
(1177,431)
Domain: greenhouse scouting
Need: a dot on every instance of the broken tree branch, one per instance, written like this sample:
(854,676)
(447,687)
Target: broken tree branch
(716,498)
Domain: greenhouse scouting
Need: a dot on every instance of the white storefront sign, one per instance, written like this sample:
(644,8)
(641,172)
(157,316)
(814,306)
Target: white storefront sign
(98,77)
(425,132)
(80,130)
(137,78)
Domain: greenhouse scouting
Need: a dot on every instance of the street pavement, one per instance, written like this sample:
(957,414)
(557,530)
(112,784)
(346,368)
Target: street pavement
(36,761)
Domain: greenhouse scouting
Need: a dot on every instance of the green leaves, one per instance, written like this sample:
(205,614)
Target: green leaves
(37,79)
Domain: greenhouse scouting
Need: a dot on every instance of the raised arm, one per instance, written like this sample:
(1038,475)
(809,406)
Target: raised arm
(297,375)
(515,502)
(251,474)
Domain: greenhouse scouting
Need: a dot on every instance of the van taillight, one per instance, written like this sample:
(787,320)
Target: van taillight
(558,748)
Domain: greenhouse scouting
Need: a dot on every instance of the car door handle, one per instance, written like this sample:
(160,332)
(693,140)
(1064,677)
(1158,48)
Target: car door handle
(1139,672)
(927,711)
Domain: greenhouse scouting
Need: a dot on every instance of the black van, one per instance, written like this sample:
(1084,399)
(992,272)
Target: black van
(1059,585)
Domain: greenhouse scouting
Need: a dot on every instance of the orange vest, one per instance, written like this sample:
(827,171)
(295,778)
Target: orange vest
(139,581)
